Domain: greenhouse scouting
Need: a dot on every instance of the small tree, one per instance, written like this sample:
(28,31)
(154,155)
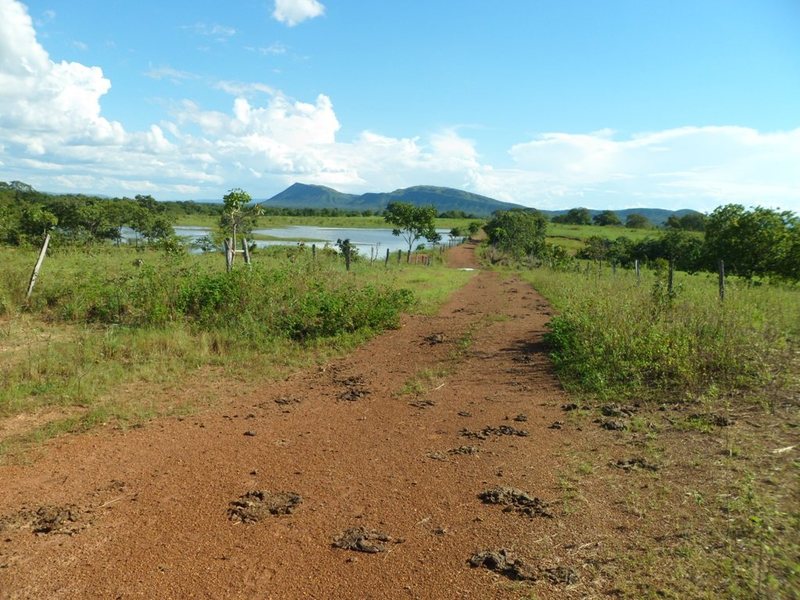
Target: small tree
(237,214)
(474,227)
(412,222)
(517,232)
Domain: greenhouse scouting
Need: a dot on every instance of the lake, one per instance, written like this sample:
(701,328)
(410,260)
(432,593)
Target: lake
(366,240)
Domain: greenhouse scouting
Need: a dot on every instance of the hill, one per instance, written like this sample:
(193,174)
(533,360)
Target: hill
(445,199)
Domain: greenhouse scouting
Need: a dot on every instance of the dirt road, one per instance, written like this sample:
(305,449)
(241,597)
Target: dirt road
(400,438)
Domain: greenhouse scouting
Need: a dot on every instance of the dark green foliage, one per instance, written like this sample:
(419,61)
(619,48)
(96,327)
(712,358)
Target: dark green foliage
(752,242)
(517,233)
(607,217)
(637,221)
(75,219)
(692,221)
(574,216)
(474,227)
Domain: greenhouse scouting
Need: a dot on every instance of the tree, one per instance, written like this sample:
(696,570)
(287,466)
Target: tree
(237,214)
(637,221)
(607,217)
(412,222)
(693,221)
(517,232)
(474,227)
(34,222)
(574,216)
(751,242)
(595,247)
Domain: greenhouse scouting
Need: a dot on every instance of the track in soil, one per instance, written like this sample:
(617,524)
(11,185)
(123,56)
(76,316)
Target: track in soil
(395,441)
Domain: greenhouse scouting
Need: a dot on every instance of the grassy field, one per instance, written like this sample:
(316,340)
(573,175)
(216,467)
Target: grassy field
(704,394)
(107,331)
(572,237)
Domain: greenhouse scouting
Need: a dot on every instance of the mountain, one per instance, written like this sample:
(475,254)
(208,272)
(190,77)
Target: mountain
(300,195)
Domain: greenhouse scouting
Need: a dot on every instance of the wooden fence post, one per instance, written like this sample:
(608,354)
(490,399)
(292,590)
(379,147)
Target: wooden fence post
(638,272)
(399,256)
(386,263)
(347,256)
(38,265)
(246,251)
(314,252)
(721,268)
(229,249)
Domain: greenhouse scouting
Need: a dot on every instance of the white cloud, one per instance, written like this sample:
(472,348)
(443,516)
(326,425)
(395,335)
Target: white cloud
(54,136)
(292,12)
(239,88)
(219,32)
(166,72)
(275,48)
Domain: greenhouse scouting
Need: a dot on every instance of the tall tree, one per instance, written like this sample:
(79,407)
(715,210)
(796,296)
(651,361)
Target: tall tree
(412,222)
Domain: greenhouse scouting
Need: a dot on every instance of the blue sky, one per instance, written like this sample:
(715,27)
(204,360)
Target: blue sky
(552,104)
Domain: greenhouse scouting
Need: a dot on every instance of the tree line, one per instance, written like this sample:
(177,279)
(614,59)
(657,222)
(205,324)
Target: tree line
(754,242)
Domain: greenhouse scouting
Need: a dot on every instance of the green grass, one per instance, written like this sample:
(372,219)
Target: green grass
(108,328)
(613,337)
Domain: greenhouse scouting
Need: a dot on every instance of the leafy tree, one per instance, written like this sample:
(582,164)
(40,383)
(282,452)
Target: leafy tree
(607,217)
(595,247)
(637,221)
(693,221)
(751,242)
(517,232)
(456,232)
(237,214)
(412,222)
(683,248)
(34,222)
(574,216)
(474,227)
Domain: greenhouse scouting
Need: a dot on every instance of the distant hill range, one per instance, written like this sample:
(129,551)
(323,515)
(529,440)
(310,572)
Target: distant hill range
(300,195)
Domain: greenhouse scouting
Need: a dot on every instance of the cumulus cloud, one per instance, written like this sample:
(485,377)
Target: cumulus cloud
(53,135)
(292,12)
(44,103)
(699,166)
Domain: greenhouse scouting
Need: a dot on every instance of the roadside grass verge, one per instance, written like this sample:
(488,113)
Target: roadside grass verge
(613,338)
(108,333)
(707,393)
